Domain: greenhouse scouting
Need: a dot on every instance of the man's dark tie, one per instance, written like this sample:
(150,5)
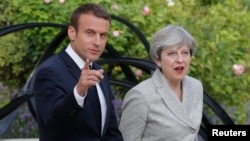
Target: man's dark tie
(94,98)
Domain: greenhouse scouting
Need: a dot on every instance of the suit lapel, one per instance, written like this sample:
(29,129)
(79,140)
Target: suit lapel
(170,99)
(72,66)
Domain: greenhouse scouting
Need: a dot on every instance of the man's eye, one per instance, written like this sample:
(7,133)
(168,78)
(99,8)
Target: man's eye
(90,33)
(103,36)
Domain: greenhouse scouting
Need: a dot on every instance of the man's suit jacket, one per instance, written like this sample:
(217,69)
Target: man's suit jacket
(152,112)
(59,116)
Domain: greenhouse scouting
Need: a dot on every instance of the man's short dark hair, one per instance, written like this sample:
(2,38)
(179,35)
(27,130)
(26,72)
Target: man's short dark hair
(88,8)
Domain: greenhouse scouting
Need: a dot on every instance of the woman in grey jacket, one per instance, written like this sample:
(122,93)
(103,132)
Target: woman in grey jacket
(168,106)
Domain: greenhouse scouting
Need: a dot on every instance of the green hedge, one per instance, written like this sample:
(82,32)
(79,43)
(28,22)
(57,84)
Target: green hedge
(221,29)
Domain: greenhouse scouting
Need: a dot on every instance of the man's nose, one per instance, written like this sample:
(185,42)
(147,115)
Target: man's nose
(97,40)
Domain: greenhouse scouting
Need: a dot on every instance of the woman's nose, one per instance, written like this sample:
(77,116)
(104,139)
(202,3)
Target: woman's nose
(180,57)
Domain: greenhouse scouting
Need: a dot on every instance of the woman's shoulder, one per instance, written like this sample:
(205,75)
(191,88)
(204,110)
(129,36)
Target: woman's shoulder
(142,87)
(192,80)
(144,84)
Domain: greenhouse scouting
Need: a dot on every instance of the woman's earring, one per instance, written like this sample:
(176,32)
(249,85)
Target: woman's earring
(159,65)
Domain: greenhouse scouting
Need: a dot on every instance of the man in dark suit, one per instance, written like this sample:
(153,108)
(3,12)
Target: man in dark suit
(72,93)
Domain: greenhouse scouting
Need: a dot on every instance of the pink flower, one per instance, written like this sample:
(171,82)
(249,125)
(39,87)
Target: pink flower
(145,10)
(238,69)
(138,73)
(61,1)
(116,33)
(47,1)
(170,2)
(114,6)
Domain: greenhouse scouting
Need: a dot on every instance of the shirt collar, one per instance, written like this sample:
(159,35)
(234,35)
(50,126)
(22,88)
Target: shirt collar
(76,58)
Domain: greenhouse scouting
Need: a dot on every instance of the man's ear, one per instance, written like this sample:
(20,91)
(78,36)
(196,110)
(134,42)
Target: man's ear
(71,33)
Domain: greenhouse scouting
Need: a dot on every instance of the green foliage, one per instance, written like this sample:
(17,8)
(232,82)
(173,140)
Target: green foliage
(12,52)
(219,27)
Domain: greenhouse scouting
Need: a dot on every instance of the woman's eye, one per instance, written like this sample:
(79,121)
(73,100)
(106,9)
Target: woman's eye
(185,53)
(171,53)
